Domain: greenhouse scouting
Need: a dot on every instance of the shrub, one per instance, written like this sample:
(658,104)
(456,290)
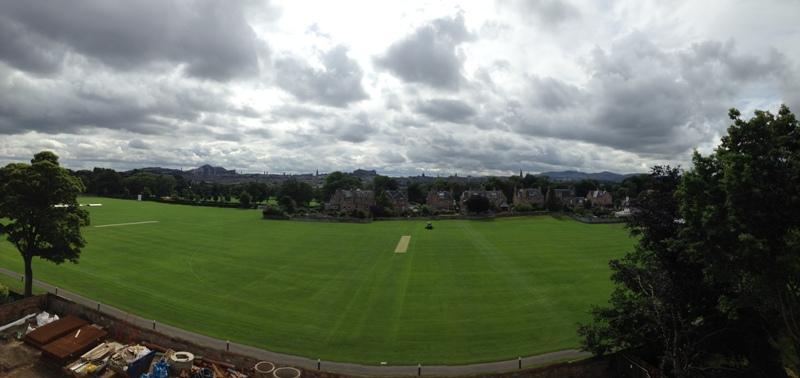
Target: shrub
(358,214)
(425,210)
(523,207)
(478,204)
(244,200)
(288,204)
(272,211)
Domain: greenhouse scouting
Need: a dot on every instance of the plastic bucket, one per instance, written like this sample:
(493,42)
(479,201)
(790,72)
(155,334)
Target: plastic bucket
(264,369)
(286,372)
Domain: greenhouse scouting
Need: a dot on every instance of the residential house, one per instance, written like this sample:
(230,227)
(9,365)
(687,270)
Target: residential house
(530,196)
(398,199)
(599,198)
(349,200)
(440,200)
(496,198)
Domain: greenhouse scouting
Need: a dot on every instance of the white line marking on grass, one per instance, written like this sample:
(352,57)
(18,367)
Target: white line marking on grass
(124,224)
(402,245)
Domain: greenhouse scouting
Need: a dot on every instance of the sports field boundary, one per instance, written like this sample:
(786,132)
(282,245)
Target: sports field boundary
(310,363)
(125,224)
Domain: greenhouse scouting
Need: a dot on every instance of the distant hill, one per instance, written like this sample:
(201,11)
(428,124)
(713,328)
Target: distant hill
(577,176)
(208,170)
(158,170)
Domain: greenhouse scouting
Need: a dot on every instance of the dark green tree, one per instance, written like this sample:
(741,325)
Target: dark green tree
(259,192)
(381,184)
(659,302)
(584,186)
(416,193)
(244,200)
(105,182)
(39,203)
(741,207)
(503,185)
(440,184)
(164,185)
(338,180)
(551,202)
(287,204)
(478,204)
(531,181)
(718,260)
(302,193)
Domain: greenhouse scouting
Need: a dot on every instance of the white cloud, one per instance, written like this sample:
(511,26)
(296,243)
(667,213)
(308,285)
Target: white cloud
(469,87)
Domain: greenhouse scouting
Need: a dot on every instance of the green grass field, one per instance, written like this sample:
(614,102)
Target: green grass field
(467,291)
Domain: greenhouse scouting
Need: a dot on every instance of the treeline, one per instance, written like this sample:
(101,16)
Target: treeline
(108,182)
(293,195)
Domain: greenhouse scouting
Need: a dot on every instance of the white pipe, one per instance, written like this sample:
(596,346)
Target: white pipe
(17,322)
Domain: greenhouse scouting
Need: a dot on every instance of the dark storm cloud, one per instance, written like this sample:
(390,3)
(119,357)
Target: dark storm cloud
(138,144)
(737,66)
(355,129)
(337,84)
(455,111)
(211,39)
(28,51)
(548,12)
(430,55)
(643,99)
(72,106)
(553,94)
(294,112)
(453,152)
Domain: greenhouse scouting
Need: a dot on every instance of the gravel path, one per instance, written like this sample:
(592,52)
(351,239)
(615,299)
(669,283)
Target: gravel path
(311,363)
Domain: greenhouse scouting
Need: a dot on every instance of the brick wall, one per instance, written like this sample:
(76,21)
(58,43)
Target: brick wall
(10,312)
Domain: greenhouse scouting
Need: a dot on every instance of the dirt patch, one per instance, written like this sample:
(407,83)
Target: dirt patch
(22,361)
(402,245)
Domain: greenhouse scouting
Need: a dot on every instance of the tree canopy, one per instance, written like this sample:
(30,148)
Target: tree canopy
(338,180)
(300,192)
(39,200)
(478,204)
(381,184)
(713,286)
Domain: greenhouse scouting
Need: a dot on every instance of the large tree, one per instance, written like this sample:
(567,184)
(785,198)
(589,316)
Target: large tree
(39,203)
(741,207)
(713,286)
(381,184)
(302,193)
(338,180)
(478,204)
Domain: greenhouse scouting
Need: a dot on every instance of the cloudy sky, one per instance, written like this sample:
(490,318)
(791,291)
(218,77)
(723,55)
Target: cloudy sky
(481,87)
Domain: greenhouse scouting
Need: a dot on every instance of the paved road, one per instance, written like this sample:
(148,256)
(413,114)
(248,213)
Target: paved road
(309,363)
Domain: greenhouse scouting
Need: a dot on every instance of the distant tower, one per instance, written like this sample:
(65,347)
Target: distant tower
(520,173)
(317,172)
